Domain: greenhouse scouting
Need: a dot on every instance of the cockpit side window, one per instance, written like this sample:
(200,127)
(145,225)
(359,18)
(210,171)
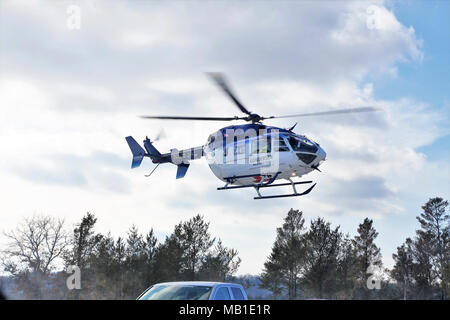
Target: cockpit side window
(295,143)
(282,146)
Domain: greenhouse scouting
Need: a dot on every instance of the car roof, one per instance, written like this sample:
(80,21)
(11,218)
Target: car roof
(197,283)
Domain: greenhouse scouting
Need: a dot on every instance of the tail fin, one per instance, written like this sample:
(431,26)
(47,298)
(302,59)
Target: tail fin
(151,150)
(136,149)
(139,153)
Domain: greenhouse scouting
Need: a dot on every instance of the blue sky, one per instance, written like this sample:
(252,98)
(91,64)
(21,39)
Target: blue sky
(428,80)
(69,97)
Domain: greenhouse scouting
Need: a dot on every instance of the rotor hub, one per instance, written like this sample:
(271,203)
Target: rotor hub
(254,118)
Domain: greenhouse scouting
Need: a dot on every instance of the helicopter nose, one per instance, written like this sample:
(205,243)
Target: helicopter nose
(321,154)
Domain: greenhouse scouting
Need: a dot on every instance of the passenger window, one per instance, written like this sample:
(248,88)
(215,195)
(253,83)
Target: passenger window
(230,151)
(264,146)
(269,144)
(261,145)
(223,294)
(254,147)
(240,148)
(237,293)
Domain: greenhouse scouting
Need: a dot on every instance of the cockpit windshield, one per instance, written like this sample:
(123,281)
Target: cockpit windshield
(300,144)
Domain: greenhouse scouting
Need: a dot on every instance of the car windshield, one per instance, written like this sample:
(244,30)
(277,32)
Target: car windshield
(177,292)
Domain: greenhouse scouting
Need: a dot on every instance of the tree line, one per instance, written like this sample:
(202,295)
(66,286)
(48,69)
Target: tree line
(110,268)
(314,261)
(322,262)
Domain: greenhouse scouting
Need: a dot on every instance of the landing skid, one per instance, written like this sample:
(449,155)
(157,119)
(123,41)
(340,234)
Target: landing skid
(268,184)
(295,194)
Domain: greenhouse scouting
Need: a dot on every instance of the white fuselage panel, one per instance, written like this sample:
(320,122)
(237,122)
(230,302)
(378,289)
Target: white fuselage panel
(236,160)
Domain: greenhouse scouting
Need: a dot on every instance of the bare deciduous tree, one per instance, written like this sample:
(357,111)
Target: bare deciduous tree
(34,245)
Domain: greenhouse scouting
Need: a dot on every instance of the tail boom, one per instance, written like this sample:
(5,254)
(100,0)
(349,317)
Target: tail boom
(179,158)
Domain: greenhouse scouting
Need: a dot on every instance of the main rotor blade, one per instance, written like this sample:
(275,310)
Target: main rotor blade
(324,113)
(193,118)
(219,79)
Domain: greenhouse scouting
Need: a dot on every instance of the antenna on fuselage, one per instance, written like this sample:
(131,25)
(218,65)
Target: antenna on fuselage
(292,128)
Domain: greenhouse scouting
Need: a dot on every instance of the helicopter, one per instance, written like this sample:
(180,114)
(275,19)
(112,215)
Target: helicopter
(250,155)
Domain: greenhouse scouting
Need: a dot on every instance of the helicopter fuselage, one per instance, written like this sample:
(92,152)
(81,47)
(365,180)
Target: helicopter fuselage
(254,153)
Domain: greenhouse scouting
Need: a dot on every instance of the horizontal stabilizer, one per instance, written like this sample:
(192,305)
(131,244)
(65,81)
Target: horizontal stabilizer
(182,169)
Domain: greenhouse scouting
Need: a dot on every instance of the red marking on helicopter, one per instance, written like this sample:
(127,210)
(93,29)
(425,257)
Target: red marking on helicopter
(257,179)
